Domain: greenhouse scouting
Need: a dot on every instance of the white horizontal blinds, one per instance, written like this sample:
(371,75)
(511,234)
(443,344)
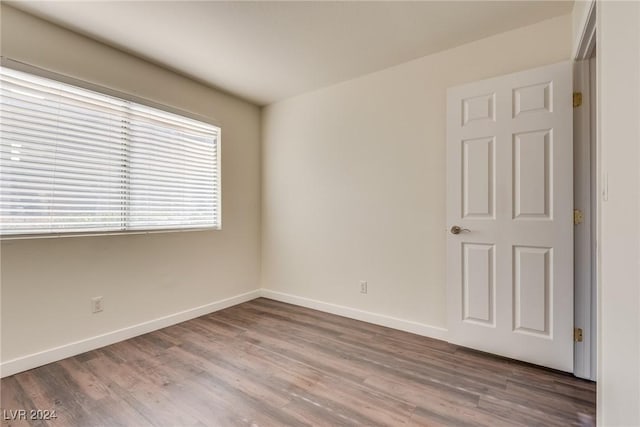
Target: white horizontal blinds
(62,160)
(174,180)
(74,160)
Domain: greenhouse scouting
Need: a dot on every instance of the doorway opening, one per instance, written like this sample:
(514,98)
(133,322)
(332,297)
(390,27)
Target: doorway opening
(586,197)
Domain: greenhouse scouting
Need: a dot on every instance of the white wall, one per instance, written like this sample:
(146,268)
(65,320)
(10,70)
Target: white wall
(354,177)
(618,57)
(47,283)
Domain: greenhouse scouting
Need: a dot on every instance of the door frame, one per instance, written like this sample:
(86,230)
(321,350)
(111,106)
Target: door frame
(586,191)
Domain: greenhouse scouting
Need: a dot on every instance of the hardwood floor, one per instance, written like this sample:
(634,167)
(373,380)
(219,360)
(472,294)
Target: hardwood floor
(266,363)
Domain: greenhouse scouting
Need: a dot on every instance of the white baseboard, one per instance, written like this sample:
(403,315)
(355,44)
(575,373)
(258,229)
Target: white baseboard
(366,316)
(34,360)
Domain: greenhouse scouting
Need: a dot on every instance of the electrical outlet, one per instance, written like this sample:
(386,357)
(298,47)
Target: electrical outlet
(96,304)
(363,287)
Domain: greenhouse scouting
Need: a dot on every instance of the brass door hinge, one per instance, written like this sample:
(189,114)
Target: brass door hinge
(577,99)
(578,217)
(577,334)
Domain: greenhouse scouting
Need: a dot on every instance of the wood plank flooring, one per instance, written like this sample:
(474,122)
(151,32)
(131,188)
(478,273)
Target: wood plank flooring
(266,363)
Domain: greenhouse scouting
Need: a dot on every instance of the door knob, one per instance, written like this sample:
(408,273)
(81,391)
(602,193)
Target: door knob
(456,229)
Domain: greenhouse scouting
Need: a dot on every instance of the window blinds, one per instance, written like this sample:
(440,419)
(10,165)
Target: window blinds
(78,161)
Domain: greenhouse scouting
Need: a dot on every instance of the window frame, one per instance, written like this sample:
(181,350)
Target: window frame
(40,72)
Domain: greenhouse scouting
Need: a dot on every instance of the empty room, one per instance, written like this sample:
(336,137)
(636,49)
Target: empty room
(320,213)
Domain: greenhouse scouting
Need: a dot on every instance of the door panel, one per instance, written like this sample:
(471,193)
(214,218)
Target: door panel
(532,175)
(532,290)
(509,189)
(478,178)
(478,283)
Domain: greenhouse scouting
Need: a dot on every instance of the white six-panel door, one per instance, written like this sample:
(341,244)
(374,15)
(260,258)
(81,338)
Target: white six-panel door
(509,189)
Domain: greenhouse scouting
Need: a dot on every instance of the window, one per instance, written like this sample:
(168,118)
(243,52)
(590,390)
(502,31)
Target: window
(77,161)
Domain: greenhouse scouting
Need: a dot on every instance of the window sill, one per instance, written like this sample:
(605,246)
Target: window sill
(103,233)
